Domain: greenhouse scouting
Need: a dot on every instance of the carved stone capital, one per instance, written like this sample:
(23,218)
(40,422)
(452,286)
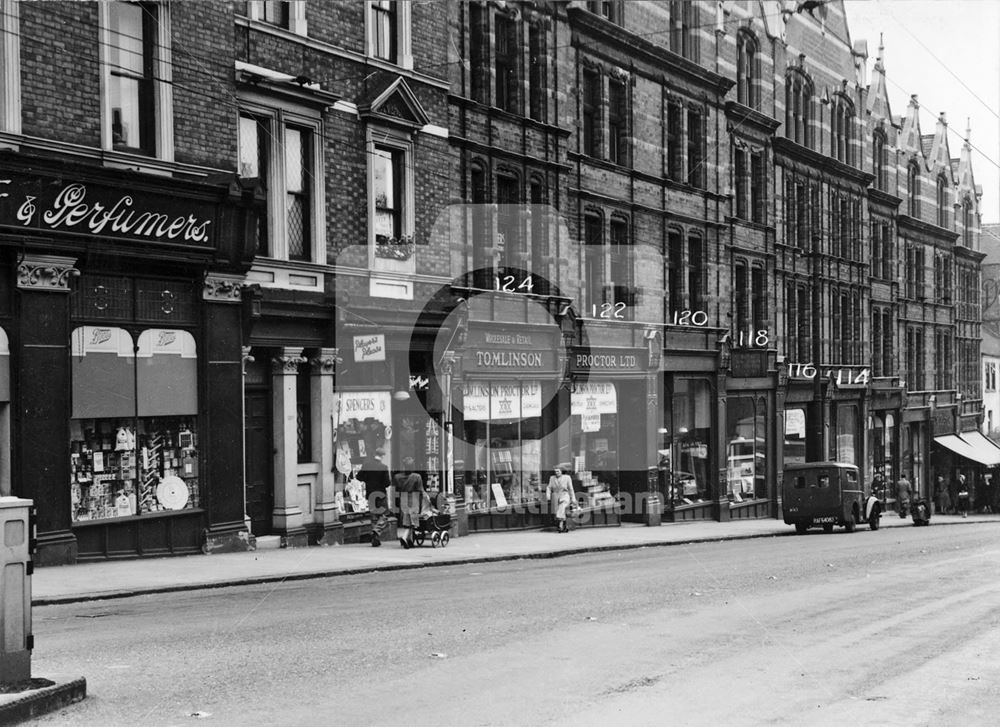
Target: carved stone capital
(246,358)
(46,272)
(325,362)
(288,361)
(449,363)
(222,288)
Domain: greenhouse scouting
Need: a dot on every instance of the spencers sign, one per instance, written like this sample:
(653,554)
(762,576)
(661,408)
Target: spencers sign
(56,205)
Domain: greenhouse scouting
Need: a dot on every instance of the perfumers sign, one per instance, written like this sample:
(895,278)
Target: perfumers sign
(95,209)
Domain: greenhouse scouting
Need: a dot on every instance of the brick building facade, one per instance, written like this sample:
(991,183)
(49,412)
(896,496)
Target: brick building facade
(672,244)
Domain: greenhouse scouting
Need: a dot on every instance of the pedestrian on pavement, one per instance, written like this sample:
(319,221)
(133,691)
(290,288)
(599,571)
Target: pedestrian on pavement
(375,475)
(963,495)
(941,492)
(413,501)
(903,495)
(984,493)
(560,495)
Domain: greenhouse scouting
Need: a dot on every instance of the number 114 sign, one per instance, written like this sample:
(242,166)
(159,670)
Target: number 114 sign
(841,376)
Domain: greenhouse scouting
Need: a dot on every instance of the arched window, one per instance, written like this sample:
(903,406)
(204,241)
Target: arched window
(798,109)
(913,189)
(880,161)
(942,200)
(747,71)
(841,122)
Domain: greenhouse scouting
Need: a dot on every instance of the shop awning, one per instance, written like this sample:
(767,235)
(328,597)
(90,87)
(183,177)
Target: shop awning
(986,449)
(983,452)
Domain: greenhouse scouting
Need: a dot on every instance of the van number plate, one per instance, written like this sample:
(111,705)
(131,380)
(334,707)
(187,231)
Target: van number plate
(830,519)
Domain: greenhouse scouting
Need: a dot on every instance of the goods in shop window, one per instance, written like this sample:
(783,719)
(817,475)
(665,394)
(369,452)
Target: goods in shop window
(124,439)
(172,493)
(124,506)
(355,496)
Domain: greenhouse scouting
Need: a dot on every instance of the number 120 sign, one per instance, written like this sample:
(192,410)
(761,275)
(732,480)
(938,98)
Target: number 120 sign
(840,376)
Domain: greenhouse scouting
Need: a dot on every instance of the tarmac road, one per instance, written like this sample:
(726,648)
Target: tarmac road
(895,627)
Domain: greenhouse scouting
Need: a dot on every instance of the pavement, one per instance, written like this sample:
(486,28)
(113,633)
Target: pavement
(124,578)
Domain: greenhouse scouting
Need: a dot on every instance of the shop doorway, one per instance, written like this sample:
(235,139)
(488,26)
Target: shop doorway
(258,467)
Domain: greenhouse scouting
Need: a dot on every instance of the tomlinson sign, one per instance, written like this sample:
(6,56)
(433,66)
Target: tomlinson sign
(96,209)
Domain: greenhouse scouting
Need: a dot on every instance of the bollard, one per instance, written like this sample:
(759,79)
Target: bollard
(16,546)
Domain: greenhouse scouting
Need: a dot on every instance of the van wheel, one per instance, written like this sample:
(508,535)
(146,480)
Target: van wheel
(873,519)
(851,524)
(801,528)
(827,528)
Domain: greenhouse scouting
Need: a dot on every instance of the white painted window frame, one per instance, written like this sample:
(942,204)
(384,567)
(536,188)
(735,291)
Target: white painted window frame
(404,34)
(163,99)
(279,119)
(10,66)
(297,22)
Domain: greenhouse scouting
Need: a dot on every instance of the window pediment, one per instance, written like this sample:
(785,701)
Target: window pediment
(392,102)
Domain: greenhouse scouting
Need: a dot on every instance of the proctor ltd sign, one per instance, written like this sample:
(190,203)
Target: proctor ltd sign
(52,205)
(609,360)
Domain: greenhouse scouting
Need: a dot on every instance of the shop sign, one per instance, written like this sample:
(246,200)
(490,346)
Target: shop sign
(369,348)
(609,359)
(505,401)
(102,209)
(508,359)
(361,405)
(593,398)
(482,401)
(476,401)
(745,364)
(590,422)
(531,399)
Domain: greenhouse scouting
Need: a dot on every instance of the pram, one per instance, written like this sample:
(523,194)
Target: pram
(434,525)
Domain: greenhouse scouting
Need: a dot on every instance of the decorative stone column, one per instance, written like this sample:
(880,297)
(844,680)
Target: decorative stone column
(287,516)
(652,509)
(450,369)
(223,368)
(42,396)
(327,528)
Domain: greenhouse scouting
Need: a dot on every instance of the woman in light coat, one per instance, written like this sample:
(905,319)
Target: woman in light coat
(560,494)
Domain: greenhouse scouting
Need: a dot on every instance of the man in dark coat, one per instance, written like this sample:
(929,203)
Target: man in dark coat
(375,475)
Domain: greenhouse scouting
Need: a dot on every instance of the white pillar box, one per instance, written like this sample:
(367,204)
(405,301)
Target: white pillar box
(16,640)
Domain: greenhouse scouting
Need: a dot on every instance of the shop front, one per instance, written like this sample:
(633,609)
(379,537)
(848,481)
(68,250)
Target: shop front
(825,413)
(508,397)
(608,431)
(882,461)
(688,456)
(125,359)
(749,434)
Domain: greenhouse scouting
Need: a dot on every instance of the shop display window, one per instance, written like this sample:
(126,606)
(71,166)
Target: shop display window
(688,461)
(595,445)
(503,420)
(795,435)
(121,467)
(362,427)
(133,431)
(746,443)
(847,433)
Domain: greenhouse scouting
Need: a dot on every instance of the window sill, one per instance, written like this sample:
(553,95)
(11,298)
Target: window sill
(137,518)
(277,273)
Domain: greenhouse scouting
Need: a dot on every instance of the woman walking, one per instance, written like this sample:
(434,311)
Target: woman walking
(560,494)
